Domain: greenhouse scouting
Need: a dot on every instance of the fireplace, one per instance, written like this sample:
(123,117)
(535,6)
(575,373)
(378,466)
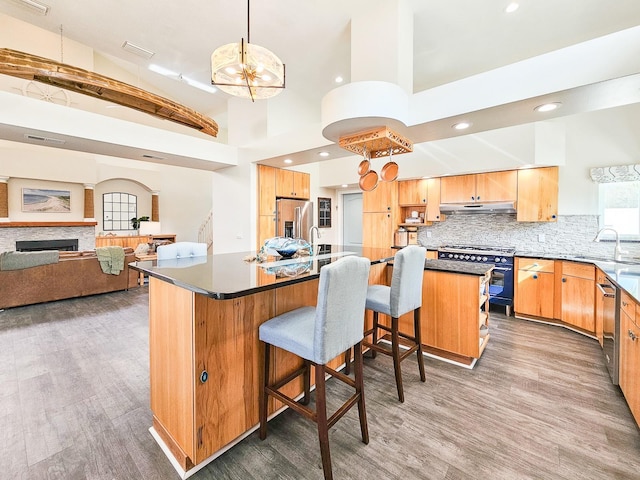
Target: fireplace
(70,245)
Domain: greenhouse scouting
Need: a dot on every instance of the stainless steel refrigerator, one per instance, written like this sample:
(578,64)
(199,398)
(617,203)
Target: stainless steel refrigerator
(294,218)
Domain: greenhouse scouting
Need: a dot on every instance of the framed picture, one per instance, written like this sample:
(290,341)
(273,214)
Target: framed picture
(324,212)
(46,200)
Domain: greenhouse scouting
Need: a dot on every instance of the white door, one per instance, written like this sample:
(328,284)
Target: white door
(352,220)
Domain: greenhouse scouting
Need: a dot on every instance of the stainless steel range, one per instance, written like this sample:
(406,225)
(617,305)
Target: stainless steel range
(501,287)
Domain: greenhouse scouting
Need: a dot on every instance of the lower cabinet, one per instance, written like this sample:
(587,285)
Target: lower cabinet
(630,354)
(534,290)
(577,287)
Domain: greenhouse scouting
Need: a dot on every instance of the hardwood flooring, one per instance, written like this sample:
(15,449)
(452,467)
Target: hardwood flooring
(74,404)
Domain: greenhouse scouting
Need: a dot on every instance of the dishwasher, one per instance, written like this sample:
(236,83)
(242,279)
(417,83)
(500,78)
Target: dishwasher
(610,326)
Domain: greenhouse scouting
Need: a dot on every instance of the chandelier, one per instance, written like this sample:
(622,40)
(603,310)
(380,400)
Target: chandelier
(246,70)
(377,143)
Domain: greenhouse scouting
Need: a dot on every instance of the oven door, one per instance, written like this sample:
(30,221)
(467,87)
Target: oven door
(501,286)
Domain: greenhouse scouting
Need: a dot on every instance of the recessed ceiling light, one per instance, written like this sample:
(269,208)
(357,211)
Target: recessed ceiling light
(548,107)
(324,154)
(461,125)
(288,160)
(344,185)
(512,7)
(339,79)
(135,49)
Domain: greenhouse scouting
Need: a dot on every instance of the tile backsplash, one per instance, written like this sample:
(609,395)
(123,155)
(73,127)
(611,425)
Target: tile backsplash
(571,234)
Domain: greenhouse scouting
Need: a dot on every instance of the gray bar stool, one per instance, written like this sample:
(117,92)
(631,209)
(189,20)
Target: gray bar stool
(318,334)
(403,296)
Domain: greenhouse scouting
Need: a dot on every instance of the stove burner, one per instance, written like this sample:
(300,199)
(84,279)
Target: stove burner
(484,250)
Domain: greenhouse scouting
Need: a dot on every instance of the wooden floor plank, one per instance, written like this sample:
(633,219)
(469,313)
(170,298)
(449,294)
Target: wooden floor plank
(539,404)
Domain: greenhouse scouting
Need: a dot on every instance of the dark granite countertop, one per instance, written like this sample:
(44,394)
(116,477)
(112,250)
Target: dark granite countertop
(625,274)
(226,276)
(452,266)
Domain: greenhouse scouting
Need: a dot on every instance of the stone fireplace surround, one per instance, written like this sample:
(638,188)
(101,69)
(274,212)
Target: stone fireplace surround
(86,235)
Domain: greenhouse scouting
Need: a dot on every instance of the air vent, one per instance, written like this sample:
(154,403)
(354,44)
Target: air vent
(37,138)
(33,6)
(135,49)
(153,156)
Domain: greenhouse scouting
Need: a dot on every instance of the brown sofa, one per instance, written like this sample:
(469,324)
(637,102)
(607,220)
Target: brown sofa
(76,274)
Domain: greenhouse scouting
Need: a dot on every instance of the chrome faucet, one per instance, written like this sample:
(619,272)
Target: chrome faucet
(617,253)
(311,233)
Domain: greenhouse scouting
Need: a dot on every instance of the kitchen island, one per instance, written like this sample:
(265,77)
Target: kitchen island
(205,354)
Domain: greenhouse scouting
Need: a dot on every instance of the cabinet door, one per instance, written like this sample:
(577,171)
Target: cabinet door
(266,190)
(301,185)
(578,302)
(630,362)
(377,230)
(266,229)
(284,183)
(534,293)
(412,192)
(380,199)
(497,186)
(433,200)
(458,189)
(537,195)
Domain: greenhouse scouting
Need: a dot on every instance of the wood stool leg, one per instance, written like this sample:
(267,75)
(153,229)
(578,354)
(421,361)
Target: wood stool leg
(362,413)
(307,383)
(417,335)
(375,334)
(323,427)
(347,362)
(264,398)
(395,350)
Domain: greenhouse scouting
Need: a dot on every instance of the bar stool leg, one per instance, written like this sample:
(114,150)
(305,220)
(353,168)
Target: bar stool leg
(323,428)
(362,413)
(375,334)
(395,350)
(307,383)
(347,362)
(417,336)
(264,398)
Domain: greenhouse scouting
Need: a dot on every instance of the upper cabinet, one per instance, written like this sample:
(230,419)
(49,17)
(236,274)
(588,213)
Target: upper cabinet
(412,192)
(291,184)
(537,195)
(266,190)
(383,198)
(433,200)
(482,187)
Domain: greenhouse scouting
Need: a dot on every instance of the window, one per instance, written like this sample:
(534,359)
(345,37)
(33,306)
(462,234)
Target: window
(620,208)
(118,209)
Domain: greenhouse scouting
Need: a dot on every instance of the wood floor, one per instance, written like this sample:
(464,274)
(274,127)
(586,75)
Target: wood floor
(74,404)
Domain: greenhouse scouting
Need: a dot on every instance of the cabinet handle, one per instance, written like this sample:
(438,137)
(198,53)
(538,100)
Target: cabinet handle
(535,277)
(424,200)
(553,216)
(624,304)
(204,376)
(632,336)
(473,198)
(478,197)
(564,280)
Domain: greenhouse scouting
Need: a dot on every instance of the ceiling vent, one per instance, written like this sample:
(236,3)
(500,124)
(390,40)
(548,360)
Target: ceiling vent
(37,138)
(136,50)
(145,155)
(33,6)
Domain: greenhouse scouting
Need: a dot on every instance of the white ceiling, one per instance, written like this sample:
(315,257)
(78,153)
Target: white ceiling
(453,39)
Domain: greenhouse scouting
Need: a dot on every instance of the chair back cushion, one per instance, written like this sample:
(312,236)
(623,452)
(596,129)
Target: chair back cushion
(181,250)
(406,282)
(342,293)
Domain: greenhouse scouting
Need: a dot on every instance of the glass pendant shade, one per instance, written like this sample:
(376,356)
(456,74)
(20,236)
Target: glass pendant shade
(246,70)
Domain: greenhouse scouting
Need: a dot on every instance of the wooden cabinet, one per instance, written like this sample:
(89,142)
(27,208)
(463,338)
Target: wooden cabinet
(292,184)
(599,304)
(132,241)
(577,292)
(377,229)
(383,198)
(433,200)
(534,287)
(266,229)
(412,192)
(482,187)
(630,354)
(266,190)
(537,195)
(454,331)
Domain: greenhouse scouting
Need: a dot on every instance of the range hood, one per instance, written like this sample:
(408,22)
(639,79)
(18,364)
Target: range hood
(489,207)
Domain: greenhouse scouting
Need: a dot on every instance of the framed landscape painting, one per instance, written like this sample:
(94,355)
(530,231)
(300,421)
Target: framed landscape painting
(46,200)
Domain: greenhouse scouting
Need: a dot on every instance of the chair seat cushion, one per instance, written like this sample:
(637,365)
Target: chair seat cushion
(292,331)
(379,299)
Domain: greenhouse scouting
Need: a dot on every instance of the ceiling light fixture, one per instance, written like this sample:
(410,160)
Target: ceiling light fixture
(512,7)
(461,125)
(288,160)
(344,185)
(246,70)
(324,154)
(34,6)
(339,79)
(136,50)
(548,107)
